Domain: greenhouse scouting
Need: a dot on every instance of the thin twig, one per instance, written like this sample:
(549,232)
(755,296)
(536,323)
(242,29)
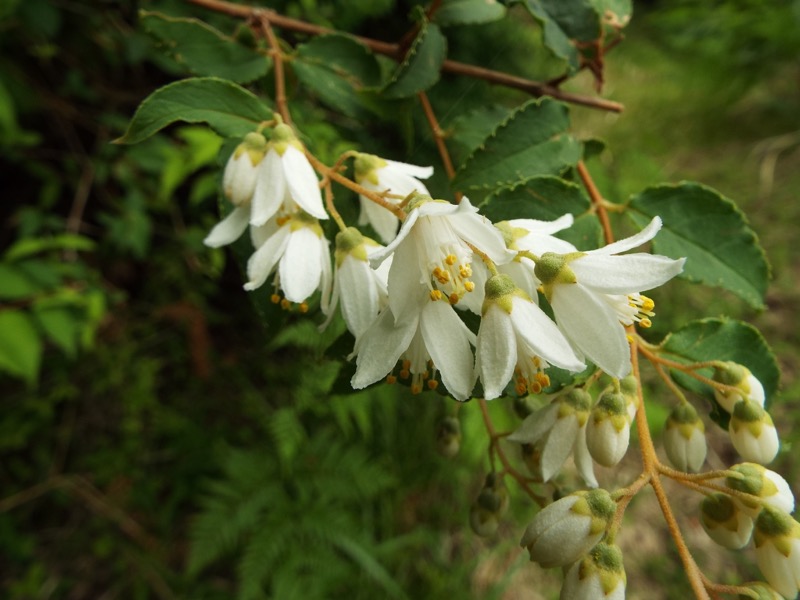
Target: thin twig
(277,60)
(396,52)
(438,137)
(597,201)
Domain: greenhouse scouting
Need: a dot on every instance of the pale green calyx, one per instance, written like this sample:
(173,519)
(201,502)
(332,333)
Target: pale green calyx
(366,166)
(775,523)
(629,386)
(748,411)
(303,219)
(415,200)
(282,137)
(685,414)
(350,242)
(730,373)
(598,505)
(510,233)
(578,402)
(255,144)
(717,508)
(607,557)
(500,290)
(749,478)
(605,562)
(551,268)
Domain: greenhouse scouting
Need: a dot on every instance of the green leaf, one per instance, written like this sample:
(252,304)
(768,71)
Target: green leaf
(203,50)
(547,198)
(375,570)
(339,70)
(422,66)
(63,325)
(14,284)
(533,141)
(726,340)
(563,21)
(615,13)
(467,131)
(30,246)
(229,109)
(469,12)
(20,345)
(711,232)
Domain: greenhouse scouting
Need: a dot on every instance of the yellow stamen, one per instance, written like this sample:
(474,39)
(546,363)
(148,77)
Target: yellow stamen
(390,379)
(275,298)
(453,298)
(303,307)
(285,304)
(436,295)
(432,384)
(469,286)
(645,322)
(450,259)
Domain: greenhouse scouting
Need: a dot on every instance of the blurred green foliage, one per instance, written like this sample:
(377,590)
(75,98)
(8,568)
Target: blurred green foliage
(154,441)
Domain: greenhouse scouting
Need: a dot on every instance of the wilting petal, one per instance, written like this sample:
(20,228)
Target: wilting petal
(229,229)
(300,268)
(303,183)
(629,243)
(380,348)
(448,340)
(496,351)
(593,327)
(535,425)
(625,274)
(263,260)
(270,189)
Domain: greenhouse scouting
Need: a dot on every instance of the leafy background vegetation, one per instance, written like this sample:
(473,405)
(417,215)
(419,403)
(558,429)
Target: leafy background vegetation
(157,442)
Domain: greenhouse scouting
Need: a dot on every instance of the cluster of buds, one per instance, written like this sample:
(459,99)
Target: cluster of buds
(758,506)
(751,429)
(402,302)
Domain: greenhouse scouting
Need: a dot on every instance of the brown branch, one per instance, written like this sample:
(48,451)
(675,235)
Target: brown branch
(396,52)
(277,60)
(438,137)
(597,201)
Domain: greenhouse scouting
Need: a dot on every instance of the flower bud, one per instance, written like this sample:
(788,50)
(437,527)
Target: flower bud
(724,522)
(739,377)
(239,177)
(752,432)
(769,488)
(609,429)
(532,457)
(490,506)
(448,437)
(684,439)
(567,529)
(600,575)
(629,386)
(777,539)
(762,591)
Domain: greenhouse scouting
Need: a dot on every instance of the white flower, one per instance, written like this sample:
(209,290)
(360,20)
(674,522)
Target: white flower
(752,432)
(568,528)
(599,575)
(739,377)
(516,335)
(429,337)
(433,249)
(238,184)
(561,428)
(767,487)
(297,247)
(777,538)
(286,181)
(609,429)
(359,288)
(379,175)
(725,522)
(685,439)
(595,294)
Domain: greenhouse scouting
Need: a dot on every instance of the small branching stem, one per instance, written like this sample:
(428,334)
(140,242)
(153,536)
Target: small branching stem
(598,202)
(438,137)
(277,60)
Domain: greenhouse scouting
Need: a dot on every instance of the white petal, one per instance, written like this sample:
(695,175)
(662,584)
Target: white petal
(359,296)
(535,425)
(326,277)
(496,351)
(260,234)
(383,221)
(229,229)
(479,232)
(583,459)
(303,183)
(448,342)
(629,243)
(593,327)
(378,257)
(558,445)
(301,267)
(380,348)
(625,274)
(263,260)
(400,183)
(405,286)
(412,170)
(270,189)
(546,227)
(543,336)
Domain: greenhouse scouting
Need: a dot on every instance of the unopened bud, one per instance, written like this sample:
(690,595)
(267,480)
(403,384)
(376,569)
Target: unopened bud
(598,575)
(684,439)
(490,506)
(739,377)
(762,591)
(777,539)
(239,177)
(724,522)
(752,432)
(448,436)
(629,387)
(767,488)
(608,431)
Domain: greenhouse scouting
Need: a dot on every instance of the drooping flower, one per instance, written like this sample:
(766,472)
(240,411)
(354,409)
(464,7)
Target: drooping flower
(739,377)
(600,575)
(568,528)
(516,336)
(380,175)
(609,429)
(685,439)
(725,522)
(430,337)
(432,249)
(360,289)
(557,430)
(752,432)
(238,185)
(777,539)
(286,181)
(766,487)
(595,294)
(298,248)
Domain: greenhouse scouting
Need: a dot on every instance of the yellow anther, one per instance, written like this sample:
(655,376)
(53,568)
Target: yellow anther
(645,322)
(647,303)
(303,308)
(282,220)
(416,389)
(275,298)
(432,384)
(443,277)
(469,286)
(536,361)
(521,388)
(390,379)
(465,271)
(404,374)
(535,387)
(629,338)
(543,379)
(285,304)
(453,298)
(436,295)
(450,259)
